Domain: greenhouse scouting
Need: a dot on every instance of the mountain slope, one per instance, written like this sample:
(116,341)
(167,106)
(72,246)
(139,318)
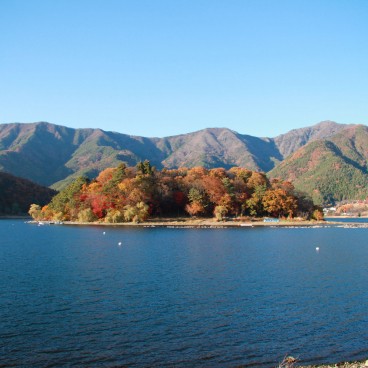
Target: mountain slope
(54,155)
(215,147)
(297,138)
(18,194)
(332,169)
(49,154)
(38,151)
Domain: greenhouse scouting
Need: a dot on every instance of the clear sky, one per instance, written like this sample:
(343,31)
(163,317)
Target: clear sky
(166,67)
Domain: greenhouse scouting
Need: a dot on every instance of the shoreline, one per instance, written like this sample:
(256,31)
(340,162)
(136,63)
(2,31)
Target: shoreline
(346,217)
(212,223)
(356,364)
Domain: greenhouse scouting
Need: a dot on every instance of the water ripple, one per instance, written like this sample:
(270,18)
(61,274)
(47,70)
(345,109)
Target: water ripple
(183,298)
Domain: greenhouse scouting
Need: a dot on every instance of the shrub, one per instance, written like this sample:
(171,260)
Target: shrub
(86,215)
(114,216)
(137,213)
(220,212)
(35,211)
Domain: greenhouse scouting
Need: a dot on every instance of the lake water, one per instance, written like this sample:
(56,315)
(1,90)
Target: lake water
(348,219)
(71,296)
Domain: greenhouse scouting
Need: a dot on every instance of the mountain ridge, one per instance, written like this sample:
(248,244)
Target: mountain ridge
(330,169)
(53,155)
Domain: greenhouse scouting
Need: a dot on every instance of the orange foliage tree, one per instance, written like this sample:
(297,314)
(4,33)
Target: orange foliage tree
(124,194)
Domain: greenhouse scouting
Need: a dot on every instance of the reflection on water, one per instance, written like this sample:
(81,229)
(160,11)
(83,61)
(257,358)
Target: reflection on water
(181,297)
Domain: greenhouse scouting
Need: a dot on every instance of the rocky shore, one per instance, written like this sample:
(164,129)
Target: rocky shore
(203,223)
(211,223)
(291,362)
(340,365)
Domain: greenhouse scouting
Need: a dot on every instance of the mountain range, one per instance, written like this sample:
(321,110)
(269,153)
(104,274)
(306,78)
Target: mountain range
(312,158)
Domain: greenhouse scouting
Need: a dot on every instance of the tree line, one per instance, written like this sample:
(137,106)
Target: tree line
(126,194)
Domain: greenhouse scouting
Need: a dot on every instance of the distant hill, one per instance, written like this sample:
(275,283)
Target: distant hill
(53,155)
(219,147)
(16,195)
(330,169)
(296,138)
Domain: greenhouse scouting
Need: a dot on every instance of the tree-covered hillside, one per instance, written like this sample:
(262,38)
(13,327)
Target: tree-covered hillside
(133,194)
(17,194)
(330,170)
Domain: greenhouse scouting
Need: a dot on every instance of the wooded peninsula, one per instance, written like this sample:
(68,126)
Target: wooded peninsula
(134,194)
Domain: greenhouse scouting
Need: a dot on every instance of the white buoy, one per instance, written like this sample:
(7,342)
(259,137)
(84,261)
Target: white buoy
(119,244)
(317,249)
(104,233)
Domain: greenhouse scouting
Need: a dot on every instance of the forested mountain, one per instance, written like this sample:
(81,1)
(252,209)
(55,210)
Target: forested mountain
(53,155)
(331,169)
(328,160)
(16,195)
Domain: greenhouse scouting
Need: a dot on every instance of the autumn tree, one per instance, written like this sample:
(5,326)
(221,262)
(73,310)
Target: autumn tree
(35,211)
(197,202)
(67,201)
(317,214)
(137,213)
(132,194)
(220,212)
(257,180)
(86,215)
(145,168)
(114,216)
(255,202)
(278,203)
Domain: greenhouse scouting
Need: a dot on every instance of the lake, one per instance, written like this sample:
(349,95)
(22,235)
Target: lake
(72,296)
(348,219)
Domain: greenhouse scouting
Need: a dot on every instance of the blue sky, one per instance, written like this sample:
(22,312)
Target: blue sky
(166,67)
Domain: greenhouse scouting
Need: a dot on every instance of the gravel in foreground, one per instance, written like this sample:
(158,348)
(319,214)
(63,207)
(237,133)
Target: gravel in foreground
(291,362)
(340,365)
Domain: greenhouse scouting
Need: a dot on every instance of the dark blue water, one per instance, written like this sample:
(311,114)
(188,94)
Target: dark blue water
(348,219)
(71,296)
